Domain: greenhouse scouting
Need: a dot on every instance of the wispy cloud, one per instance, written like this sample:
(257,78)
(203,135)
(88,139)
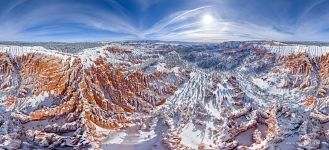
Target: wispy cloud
(188,26)
(183,21)
(45,19)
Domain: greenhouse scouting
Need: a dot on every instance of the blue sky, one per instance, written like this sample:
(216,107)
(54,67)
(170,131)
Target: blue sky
(179,20)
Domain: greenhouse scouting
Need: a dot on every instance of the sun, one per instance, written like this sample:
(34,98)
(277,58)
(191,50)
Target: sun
(207,19)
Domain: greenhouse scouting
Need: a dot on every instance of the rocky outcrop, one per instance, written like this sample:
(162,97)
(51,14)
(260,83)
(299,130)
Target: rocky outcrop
(239,95)
(60,90)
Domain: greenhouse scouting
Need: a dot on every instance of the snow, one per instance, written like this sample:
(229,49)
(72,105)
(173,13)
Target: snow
(191,136)
(88,56)
(312,50)
(115,138)
(132,138)
(13,51)
(3,98)
(35,102)
(189,113)
(157,67)
(260,82)
(192,91)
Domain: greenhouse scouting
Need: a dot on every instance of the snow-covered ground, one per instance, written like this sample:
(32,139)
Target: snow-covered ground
(311,50)
(242,96)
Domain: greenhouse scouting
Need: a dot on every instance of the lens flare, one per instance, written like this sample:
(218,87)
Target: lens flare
(207,19)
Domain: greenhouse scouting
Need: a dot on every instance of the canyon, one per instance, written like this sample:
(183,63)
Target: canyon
(165,95)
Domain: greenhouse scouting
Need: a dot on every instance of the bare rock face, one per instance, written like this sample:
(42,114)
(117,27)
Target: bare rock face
(135,95)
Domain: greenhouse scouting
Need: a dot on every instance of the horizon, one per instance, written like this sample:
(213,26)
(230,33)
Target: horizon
(137,40)
(185,21)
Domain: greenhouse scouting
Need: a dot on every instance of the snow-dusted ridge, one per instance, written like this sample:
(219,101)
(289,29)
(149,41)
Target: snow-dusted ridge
(23,50)
(244,95)
(311,50)
(281,49)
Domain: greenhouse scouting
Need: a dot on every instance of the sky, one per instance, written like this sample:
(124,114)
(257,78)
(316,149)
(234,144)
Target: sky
(167,20)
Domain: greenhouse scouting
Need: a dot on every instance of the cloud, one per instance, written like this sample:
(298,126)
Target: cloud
(312,23)
(111,19)
(188,26)
(61,18)
(146,4)
(269,23)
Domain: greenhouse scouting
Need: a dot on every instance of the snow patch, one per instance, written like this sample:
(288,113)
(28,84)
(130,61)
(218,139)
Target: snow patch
(284,50)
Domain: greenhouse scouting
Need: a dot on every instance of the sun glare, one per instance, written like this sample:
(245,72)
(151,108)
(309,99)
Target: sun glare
(207,19)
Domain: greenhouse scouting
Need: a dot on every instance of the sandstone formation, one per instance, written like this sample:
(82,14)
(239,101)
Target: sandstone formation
(232,95)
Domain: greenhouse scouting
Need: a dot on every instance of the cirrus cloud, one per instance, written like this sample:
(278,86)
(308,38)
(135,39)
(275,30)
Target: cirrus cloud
(70,20)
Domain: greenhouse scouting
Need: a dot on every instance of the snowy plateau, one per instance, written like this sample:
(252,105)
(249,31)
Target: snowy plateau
(166,95)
